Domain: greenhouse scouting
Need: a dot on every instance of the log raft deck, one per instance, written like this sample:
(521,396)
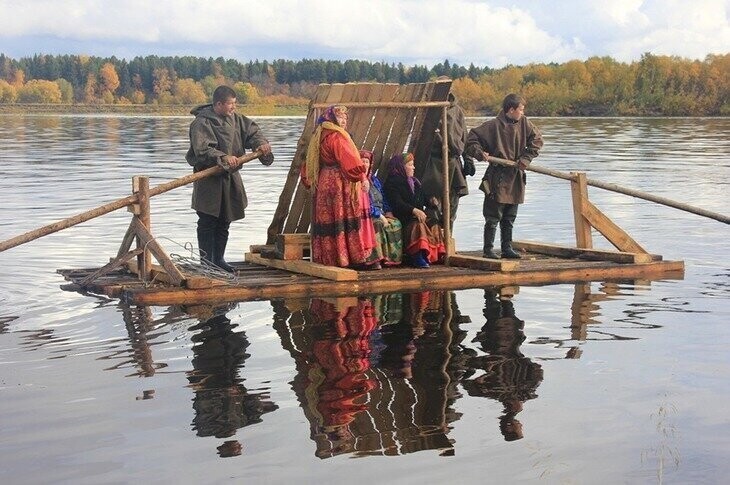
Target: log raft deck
(387,119)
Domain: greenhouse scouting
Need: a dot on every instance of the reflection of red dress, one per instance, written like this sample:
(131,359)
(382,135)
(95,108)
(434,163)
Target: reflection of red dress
(342,231)
(343,358)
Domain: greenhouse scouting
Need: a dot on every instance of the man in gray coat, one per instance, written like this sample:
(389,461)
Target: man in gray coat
(510,135)
(220,136)
(432,178)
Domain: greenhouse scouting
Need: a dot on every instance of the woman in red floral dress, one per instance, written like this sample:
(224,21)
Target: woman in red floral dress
(342,231)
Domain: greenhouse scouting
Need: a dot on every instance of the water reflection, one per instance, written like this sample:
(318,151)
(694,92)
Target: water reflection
(221,402)
(506,374)
(374,375)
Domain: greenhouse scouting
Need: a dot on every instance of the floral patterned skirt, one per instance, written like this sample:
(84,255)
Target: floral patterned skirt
(342,233)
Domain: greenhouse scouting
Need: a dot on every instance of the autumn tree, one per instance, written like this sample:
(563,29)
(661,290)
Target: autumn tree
(108,82)
(246,93)
(162,85)
(8,93)
(67,90)
(188,91)
(39,91)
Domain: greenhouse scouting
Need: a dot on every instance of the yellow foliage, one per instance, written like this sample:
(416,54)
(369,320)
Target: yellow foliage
(8,93)
(137,97)
(188,91)
(246,93)
(40,91)
(109,77)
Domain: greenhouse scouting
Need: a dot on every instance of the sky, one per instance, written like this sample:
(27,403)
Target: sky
(491,33)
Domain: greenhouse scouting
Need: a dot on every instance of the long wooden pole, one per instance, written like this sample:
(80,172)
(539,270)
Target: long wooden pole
(446,196)
(115,205)
(621,190)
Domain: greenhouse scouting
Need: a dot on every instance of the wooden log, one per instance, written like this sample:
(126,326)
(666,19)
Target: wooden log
(110,266)
(610,230)
(388,104)
(293,246)
(149,242)
(579,192)
(306,267)
(389,92)
(590,254)
(127,240)
(474,262)
(112,206)
(621,190)
(597,272)
(141,187)
(257,248)
(158,273)
(445,201)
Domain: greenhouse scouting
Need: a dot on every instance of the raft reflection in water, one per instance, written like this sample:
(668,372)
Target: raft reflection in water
(221,402)
(380,375)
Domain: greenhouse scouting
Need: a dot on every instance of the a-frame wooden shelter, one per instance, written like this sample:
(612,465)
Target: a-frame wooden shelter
(384,118)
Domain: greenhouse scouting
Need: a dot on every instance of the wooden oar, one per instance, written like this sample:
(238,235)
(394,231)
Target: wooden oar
(621,190)
(117,204)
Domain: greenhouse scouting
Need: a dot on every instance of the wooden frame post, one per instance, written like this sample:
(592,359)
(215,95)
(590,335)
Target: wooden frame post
(579,190)
(446,189)
(141,187)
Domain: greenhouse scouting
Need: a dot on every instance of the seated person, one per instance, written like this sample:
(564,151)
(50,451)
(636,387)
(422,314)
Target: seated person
(422,244)
(388,249)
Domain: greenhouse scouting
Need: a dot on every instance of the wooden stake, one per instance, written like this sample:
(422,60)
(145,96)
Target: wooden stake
(579,190)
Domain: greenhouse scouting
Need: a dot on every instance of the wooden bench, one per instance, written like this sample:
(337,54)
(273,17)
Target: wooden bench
(292,246)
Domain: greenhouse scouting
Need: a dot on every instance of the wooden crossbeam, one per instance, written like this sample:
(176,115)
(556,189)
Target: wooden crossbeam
(305,267)
(591,254)
(464,261)
(616,236)
(110,266)
(148,242)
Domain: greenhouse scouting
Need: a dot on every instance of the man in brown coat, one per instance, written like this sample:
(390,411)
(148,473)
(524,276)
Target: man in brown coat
(512,136)
(220,136)
(432,178)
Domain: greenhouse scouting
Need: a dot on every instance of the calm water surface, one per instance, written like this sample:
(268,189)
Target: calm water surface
(607,382)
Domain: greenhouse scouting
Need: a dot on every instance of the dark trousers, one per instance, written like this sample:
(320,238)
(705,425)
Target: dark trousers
(496,213)
(212,236)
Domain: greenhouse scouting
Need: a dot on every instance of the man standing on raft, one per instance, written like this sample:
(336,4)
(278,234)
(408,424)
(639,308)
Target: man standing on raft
(512,136)
(219,136)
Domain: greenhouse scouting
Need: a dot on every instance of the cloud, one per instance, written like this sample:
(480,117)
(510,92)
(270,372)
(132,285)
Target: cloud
(491,32)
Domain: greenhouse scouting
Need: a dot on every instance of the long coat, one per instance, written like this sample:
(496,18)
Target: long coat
(211,137)
(433,174)
(502,137)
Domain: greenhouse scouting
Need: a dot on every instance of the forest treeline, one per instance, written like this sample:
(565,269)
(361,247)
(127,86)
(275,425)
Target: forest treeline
(599,86)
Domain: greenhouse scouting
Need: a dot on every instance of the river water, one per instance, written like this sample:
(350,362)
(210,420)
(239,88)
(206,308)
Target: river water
(606,382)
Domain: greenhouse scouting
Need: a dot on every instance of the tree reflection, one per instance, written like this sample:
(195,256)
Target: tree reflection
(221,402)
(508,376)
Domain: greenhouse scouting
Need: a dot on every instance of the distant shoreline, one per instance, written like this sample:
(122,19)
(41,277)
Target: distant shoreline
(248,110)
(145,109)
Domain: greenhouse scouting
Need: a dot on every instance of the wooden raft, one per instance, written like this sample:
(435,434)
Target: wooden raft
(386,119)
(257,282)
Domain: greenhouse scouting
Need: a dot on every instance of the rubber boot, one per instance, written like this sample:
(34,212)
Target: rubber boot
(206,245)
(221,241)
(506,241)
(489,233)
